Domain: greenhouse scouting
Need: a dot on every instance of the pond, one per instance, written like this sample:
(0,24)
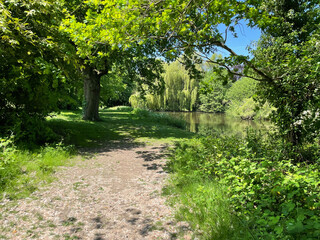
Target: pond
(207,123)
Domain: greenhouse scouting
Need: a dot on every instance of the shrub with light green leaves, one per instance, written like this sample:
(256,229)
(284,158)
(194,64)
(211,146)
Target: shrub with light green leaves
(275,197)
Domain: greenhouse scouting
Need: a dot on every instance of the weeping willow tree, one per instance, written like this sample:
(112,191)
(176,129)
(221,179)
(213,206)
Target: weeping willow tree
(180,92)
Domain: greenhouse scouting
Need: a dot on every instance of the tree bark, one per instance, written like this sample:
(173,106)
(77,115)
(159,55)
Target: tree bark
(91,94)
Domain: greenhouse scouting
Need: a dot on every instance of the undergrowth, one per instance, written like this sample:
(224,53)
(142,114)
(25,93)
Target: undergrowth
(21,171)
(260,191)
(203,204)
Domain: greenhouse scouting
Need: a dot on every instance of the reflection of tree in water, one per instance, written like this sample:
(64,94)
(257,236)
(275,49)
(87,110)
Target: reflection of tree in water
(210,123)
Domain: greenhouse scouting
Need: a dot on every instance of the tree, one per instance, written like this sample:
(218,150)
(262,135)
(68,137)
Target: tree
(180,91)
(37,65)
(286,63)
(290,53)
(213,94)
(96,48)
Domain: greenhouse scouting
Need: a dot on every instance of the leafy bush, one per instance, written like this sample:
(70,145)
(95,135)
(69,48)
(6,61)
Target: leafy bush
(244,109)
(248,109)
(8,162)
(242,104)
(33,131)
(273,196)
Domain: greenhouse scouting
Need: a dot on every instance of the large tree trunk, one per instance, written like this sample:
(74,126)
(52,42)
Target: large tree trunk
(91,94)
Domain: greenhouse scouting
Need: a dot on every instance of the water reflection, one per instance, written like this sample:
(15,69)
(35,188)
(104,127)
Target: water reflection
(208,123)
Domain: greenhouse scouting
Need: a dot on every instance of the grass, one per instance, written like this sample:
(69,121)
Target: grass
(118,123)
(203,204)
(22,171)
(245,188)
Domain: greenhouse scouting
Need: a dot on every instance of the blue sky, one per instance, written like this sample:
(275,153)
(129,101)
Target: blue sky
(245,36)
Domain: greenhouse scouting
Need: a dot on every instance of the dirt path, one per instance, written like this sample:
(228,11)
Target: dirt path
(114,195)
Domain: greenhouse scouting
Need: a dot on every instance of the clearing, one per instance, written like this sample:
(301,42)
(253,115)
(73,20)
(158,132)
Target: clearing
(115,193)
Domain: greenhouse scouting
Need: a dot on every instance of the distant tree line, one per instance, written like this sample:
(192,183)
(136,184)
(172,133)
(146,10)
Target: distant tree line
(206,94)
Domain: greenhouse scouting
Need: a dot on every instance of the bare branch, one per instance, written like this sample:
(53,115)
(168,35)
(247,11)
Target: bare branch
(228,68)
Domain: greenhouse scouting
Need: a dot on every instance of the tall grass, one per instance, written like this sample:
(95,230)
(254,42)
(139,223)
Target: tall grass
(161,118)
(204,205)
(21,171)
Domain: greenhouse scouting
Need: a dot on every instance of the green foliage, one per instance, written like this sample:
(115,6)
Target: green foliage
(22,171)
(212,94)
(241,89)
(272,195)
(249,109)
(242,104)
(116,66)
(36,62)
(116,88)
(245,109)
(203,204)
(137,101)
(32,131)
(290,54)
(180,92)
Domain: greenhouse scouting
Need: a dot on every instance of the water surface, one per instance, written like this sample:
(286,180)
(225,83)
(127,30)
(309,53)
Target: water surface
(212,122)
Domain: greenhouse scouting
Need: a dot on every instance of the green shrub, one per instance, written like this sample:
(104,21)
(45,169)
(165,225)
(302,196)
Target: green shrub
(8,161)
(248,109)
(244,109)
(274,196)
(33,131)
(241,102)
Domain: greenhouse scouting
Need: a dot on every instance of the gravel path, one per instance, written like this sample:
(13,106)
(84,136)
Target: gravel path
(114,195)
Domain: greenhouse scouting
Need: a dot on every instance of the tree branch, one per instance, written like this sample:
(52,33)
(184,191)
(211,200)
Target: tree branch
(228,68)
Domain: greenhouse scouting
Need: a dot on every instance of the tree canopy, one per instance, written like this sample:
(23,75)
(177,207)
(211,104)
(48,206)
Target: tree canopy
(37,64)
(285,64)
(43,43)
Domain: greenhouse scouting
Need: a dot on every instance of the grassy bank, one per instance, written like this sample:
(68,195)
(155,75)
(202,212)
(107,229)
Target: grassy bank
(22,170)
(246,188)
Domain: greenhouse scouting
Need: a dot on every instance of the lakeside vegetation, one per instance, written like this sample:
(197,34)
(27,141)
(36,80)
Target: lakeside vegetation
(206,93)
(228,187)
(57,56)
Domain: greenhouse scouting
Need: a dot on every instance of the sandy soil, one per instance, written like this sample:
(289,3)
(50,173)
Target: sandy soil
(114,195)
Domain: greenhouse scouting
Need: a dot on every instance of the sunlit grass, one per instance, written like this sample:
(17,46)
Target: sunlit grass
(22,171)
(117,123)
(205,206)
